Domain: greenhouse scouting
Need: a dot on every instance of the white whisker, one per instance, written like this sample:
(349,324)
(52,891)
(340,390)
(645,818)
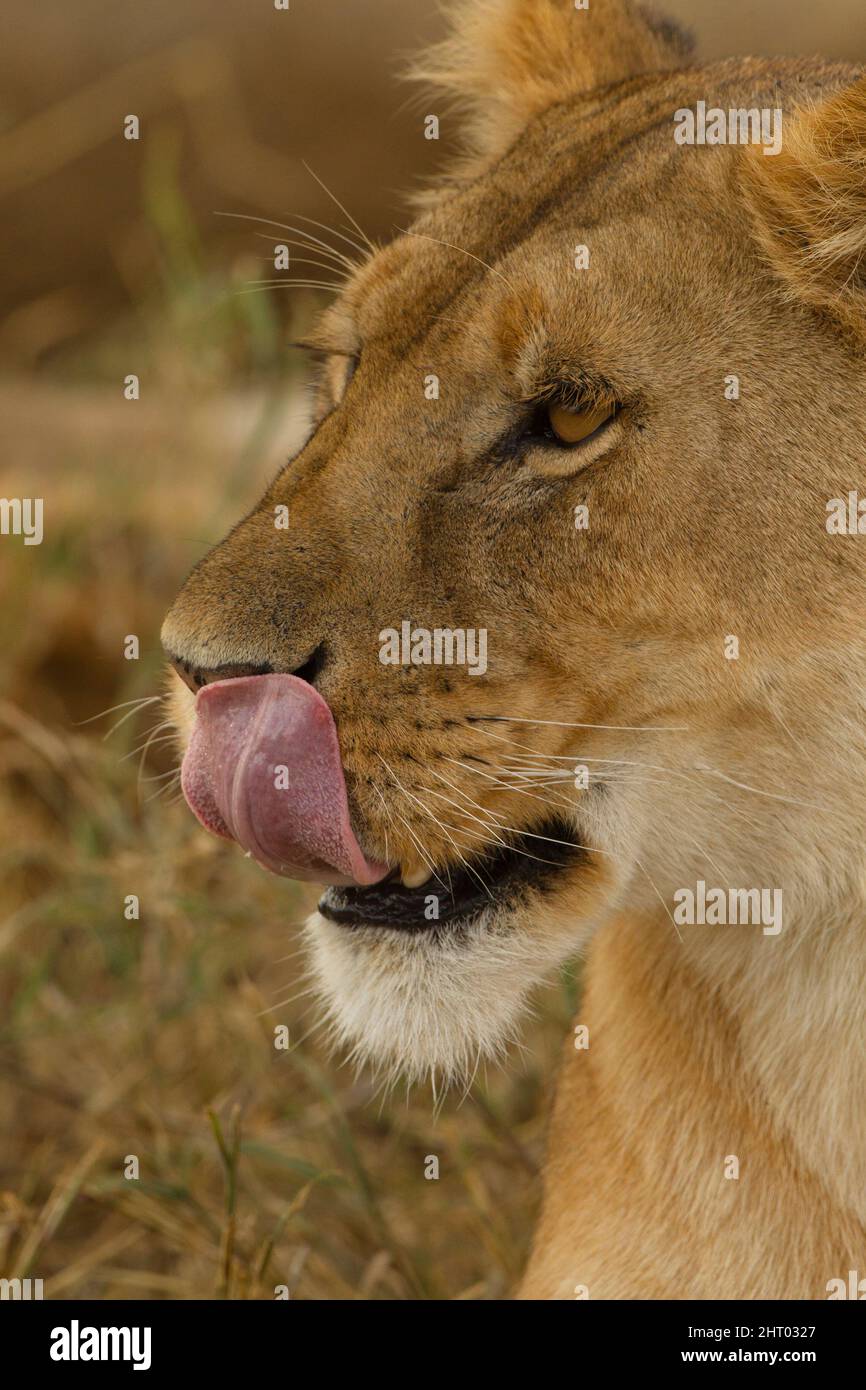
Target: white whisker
(345,211)
(558,724)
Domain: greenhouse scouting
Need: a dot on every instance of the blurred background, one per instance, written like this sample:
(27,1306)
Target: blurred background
(153,1036)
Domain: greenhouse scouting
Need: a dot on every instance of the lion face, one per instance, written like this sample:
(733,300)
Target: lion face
(573,435)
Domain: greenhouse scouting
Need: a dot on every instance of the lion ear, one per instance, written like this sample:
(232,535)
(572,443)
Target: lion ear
(506,60)
(808,205)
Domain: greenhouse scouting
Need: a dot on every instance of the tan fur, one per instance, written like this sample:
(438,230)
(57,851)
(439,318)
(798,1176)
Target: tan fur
(810,209)
(689,1064)
(507,60)
(707,519)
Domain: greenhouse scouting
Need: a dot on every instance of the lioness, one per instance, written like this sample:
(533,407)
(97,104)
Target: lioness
(603,403)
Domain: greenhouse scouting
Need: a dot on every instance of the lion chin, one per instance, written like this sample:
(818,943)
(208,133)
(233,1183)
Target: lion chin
(427,1004)
(417,995)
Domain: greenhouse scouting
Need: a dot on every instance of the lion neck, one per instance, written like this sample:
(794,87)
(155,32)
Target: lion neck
(775,1024)
(718,1106)
(766,1011)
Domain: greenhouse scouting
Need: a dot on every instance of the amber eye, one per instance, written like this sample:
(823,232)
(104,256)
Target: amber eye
(573,426)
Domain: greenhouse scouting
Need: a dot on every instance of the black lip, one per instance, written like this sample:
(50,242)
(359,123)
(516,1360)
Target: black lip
(506,876)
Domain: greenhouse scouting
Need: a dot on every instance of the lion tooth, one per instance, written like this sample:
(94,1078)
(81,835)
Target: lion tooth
(413,878)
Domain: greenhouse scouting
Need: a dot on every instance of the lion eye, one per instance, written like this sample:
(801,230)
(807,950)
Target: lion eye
(573,426)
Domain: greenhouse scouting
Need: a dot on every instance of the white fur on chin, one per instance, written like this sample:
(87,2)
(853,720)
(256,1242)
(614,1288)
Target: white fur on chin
(424,1003)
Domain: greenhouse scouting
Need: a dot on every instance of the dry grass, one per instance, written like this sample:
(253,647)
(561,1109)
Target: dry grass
(155,1037)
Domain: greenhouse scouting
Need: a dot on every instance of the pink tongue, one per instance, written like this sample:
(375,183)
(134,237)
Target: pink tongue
(263,768)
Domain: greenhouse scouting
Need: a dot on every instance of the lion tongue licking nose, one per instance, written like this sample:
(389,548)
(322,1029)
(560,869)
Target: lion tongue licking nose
(263,768)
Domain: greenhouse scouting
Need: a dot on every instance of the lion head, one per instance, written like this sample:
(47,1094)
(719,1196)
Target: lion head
(545,617)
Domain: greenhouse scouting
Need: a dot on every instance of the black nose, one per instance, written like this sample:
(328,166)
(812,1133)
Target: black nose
(197,676)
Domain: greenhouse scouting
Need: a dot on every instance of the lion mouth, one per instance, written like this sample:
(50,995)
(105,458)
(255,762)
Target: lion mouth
(258,738)
(502,879)
(263,768)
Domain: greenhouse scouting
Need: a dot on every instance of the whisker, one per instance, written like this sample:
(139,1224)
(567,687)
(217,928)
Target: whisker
(458,830)
(142,700)
(284,1003)
(307,284)
(446,827)
(657,767)
(488,816)
(144,752)
(610,854)
(660,898)
(304,260)
(340,261)
(504,844)
(390,820)
(521,791)
(611,762)
(161,776)
(424,855)
(420,848)
(161,791)
(442,826)
(773,796)
(345,211)
(471,254)
(286,227)
(262,285)
(129,715)
(559,724)
(167,723)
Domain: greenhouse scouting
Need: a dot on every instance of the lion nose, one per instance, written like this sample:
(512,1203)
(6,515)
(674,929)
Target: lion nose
(197,676)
